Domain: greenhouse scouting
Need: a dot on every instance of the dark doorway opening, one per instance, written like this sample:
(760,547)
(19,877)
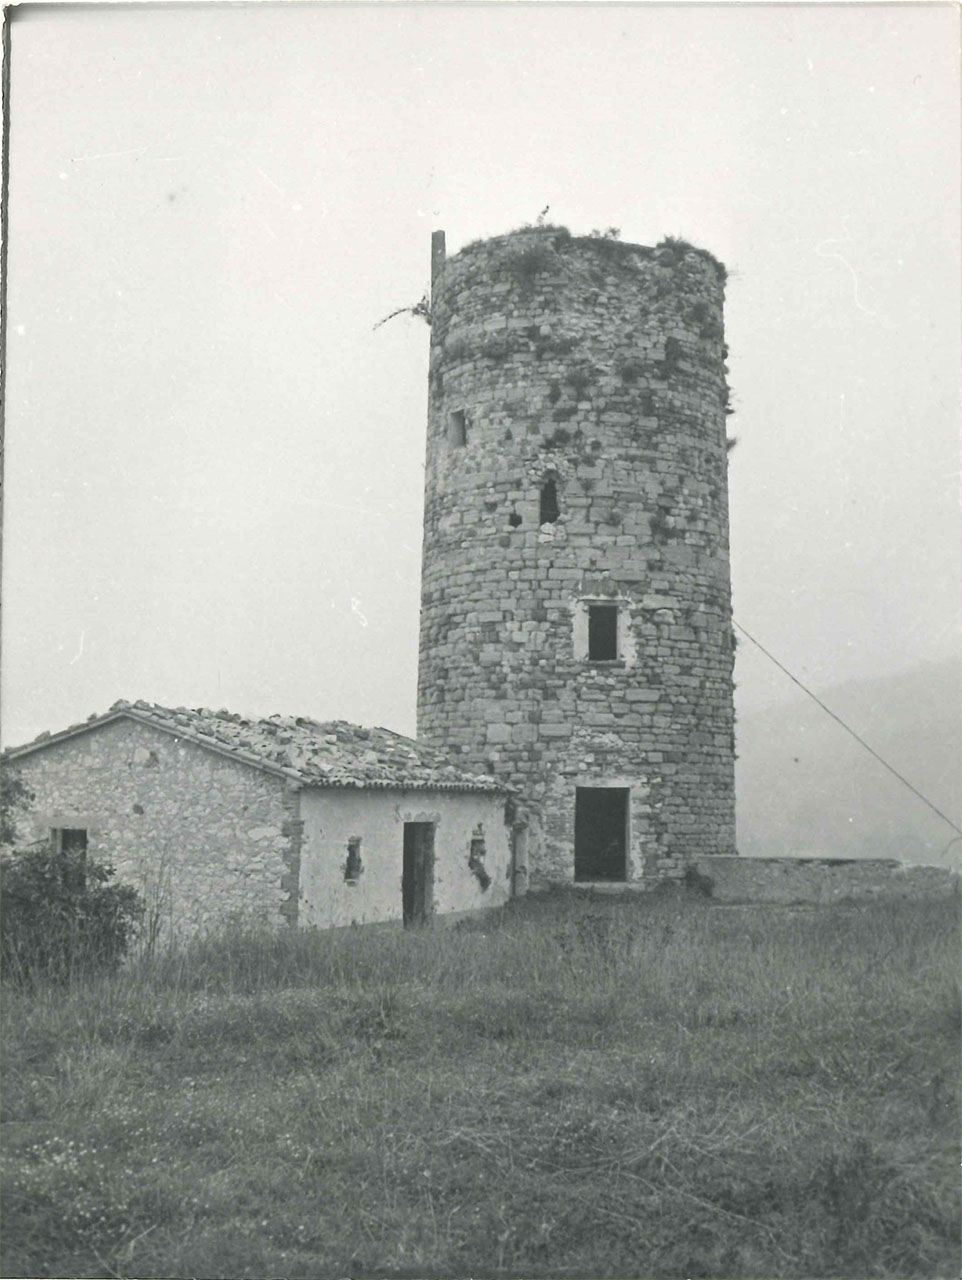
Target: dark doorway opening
(601,833)
(417,880)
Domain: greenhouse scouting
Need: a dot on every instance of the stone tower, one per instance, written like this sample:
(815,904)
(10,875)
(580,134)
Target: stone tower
(576,607)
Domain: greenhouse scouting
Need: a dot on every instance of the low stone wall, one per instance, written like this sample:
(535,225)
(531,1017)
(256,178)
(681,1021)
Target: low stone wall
(737,879)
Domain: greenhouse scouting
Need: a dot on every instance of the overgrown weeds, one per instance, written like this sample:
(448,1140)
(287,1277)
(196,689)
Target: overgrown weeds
(578,1085)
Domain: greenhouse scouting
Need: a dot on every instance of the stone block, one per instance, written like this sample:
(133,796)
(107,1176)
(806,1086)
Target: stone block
(498,733)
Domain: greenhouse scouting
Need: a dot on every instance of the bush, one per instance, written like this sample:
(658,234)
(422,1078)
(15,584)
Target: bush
(61,919)
(524,266)
(15,796)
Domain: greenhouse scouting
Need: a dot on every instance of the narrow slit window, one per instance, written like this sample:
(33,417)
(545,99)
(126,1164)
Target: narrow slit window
(476,858)
(602,632)
(549,503)
(457,429)
(352,866)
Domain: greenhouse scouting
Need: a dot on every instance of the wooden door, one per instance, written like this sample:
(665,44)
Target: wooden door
(417,880)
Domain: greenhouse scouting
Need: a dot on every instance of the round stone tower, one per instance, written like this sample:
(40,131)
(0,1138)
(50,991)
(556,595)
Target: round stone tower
(576,614)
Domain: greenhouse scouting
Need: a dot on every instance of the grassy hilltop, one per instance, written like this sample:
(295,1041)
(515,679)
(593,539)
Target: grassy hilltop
(656,1087)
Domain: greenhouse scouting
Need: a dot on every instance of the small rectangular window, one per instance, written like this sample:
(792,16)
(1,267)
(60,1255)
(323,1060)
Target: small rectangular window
(602,632)
(70,839)
(549,509)
(71,842)
(457,429)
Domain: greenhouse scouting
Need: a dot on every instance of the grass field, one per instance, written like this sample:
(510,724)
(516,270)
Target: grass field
(651,1087)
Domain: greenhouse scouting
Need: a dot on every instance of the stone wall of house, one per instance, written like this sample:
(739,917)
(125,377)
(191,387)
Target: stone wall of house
(335,818)
(202,837)
(596,368)
(804,880)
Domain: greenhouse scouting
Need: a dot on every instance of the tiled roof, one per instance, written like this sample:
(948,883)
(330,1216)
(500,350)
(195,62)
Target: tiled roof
(330,754)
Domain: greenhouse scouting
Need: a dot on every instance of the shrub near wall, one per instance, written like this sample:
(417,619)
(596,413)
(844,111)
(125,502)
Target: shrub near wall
(61,917)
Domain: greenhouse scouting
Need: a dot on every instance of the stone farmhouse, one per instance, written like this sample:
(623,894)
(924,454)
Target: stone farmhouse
(212,816)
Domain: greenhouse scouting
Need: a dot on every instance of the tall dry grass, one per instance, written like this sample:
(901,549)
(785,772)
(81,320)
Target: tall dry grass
(635,1088)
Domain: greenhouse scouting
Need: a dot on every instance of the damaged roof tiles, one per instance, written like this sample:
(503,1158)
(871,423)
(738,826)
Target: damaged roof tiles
(334,753)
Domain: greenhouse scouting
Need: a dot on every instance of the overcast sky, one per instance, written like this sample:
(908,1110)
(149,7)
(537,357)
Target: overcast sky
(213,461)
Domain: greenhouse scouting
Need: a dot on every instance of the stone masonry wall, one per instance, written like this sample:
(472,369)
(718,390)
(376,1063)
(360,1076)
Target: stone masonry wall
(202,837)
(814,880)
(598,366)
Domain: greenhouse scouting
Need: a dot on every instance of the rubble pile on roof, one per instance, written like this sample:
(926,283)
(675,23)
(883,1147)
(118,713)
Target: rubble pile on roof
(334,753)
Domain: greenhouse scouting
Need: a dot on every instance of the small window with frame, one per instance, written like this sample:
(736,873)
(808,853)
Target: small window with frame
(549,508)
(602,632)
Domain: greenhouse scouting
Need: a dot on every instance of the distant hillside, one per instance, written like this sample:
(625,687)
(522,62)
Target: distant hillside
(806,787)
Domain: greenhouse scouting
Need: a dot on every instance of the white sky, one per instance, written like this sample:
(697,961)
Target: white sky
(214,464)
